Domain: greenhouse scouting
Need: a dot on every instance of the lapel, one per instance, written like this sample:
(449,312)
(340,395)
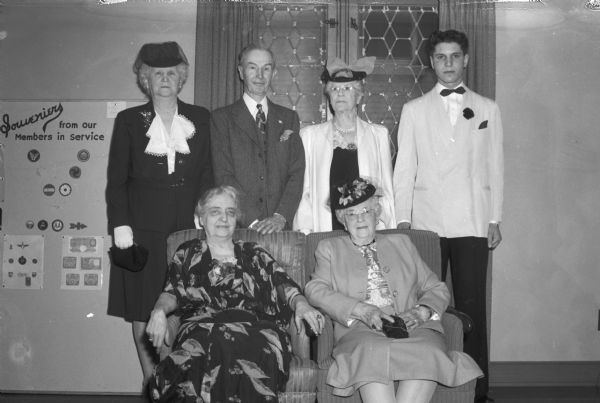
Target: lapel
(366,148)
(146,116)
(462,128)
(245,121)
(323,154)
(275,124)
(441,127)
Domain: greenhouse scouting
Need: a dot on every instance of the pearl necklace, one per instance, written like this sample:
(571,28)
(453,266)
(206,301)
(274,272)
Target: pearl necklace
(343,131)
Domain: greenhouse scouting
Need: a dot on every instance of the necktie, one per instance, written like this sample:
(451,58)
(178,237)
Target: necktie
(261,119)
(446,91)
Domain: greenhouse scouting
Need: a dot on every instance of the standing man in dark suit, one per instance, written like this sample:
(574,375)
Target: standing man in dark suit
(256,148)
(449,179)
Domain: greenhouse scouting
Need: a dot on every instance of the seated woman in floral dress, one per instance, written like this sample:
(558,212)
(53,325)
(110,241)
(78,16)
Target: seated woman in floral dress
(235,303)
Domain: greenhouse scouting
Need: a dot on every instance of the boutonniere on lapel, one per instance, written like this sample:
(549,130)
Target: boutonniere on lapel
(147,118)
(468,113)
(285,135)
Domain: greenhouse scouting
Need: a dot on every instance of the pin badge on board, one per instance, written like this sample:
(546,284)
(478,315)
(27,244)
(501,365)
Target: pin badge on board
(33,155)
(57,225)
(83,155)
(42,225)
(65,189)
(75,172)
(48,189)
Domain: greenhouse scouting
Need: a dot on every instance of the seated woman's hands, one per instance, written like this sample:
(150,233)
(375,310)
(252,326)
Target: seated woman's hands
(415,317)
(303,310)
(370,315)
(157,329)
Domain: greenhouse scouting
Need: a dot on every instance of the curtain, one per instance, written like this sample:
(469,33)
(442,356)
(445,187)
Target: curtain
(223,29)
(477,19)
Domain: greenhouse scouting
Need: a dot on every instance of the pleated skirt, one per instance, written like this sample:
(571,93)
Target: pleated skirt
(364,356)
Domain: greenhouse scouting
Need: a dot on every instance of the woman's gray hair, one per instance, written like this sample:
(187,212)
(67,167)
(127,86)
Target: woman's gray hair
(217,191)
(143,77)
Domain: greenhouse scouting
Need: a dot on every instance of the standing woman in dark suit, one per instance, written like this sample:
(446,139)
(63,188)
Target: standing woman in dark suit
(159,164)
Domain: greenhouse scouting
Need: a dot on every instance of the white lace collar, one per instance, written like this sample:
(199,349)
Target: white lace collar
(162,144)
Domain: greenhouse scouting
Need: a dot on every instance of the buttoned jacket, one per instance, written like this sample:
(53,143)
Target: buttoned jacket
(449,179)
(340,279)
(267,170)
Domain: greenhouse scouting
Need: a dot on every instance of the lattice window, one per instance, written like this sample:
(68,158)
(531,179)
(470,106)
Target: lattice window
(397,35)
(297,36)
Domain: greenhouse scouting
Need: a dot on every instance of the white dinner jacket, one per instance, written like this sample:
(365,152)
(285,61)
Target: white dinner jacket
(449,179)
(374,163)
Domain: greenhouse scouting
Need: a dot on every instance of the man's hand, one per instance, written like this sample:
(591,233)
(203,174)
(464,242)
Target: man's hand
(494,235)
(275,223)
(123,237)
(403,225)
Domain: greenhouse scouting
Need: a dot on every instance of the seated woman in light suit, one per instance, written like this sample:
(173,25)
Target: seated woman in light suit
(343,148)
(365,279)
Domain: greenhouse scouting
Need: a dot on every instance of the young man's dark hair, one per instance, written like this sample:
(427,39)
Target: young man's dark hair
(450,35)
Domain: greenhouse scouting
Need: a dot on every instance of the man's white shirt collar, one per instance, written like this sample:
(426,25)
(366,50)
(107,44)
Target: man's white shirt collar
(251,105)
(452,103)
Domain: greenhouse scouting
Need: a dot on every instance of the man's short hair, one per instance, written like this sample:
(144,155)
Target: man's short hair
(249,49)
(448,36)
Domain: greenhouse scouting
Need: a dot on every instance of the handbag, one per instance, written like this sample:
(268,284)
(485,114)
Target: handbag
(133,258)
(396,329)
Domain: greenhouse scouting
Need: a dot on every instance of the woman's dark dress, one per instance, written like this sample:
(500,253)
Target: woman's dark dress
(232,345)
(344,168)
(141,194)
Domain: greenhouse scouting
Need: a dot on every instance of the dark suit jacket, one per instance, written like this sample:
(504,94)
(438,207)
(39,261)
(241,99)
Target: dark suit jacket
(140,192)
(268,172)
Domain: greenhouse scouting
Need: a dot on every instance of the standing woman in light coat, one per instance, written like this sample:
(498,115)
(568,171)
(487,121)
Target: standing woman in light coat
(343,148)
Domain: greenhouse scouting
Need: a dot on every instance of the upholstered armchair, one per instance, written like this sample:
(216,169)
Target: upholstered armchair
(428,245)
(287,247)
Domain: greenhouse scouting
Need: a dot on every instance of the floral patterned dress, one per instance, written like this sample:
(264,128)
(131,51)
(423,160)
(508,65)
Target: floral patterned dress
(232,345)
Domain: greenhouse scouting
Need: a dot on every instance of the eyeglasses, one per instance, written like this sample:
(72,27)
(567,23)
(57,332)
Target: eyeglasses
(344,88)
(355,214)
(217,212)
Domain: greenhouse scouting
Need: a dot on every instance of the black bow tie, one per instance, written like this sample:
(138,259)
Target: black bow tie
(446,91)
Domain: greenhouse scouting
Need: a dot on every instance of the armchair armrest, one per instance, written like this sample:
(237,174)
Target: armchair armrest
(325,344)
(467,322)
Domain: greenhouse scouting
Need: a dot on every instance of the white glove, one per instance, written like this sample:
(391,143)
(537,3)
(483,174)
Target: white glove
(123,237)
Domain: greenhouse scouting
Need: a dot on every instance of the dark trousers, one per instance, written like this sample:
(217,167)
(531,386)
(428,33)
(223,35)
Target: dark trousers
(468,258)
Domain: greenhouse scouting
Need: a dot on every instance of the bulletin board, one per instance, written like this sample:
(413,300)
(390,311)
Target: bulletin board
(55,335)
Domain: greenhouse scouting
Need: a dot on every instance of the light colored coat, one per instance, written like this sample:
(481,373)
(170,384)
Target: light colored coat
(340,279)
(449,179)
(374,163)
